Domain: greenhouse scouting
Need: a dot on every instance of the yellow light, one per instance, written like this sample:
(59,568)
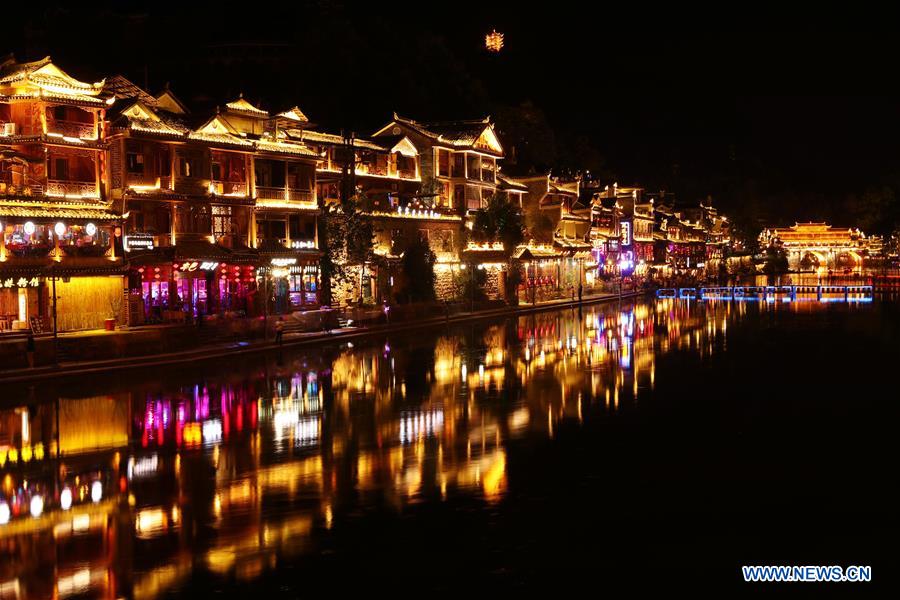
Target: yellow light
(493,41)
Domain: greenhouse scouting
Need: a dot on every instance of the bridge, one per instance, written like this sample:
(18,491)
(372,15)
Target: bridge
(772,293)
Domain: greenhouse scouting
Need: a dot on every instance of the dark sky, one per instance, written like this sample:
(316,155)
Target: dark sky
(730,104)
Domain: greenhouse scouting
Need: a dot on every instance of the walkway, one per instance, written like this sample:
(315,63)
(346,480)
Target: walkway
(219,350)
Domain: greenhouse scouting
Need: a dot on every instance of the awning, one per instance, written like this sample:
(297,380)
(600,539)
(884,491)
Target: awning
(50,213)
(191,250)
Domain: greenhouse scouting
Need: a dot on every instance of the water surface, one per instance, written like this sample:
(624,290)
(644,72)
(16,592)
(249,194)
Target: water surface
(649,443)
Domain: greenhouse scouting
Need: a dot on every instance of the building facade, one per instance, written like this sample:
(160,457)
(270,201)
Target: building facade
(61,263)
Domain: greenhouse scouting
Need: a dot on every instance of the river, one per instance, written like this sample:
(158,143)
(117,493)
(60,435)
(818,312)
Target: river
(648,443)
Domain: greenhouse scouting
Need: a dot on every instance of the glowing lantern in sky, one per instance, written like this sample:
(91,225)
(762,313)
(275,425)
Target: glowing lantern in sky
(493,41)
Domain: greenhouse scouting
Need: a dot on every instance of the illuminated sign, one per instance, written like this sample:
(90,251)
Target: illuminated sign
(139,241)
(303,244)
(625,228)
(189,266)
(283,262)
(20,282)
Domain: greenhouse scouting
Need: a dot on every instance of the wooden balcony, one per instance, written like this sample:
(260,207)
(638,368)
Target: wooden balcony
(229,188)
(285,195)
(74,129)
(71,189)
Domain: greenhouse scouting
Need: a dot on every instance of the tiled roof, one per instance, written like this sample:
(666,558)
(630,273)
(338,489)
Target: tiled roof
(122,88)
(294,114)
(330,139)
(242,106)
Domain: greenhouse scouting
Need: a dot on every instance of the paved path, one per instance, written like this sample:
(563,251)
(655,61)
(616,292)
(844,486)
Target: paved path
(218,350)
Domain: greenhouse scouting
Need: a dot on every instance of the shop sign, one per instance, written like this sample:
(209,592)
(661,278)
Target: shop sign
(20,282)
(283,262)
(195,265)
(303,244)
(139,241)
(625,227)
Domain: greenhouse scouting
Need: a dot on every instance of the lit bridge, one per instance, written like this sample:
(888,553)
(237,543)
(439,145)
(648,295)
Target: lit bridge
(772,293)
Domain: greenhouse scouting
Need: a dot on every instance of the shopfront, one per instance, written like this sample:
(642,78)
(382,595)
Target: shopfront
(166,287)
(23,302)
(294,282)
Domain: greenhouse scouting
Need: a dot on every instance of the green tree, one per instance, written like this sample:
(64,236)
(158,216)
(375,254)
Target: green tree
(776,261)
(501,221)
(418,271)
(345,238)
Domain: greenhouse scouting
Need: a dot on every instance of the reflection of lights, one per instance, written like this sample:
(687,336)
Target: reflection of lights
(36,506)
(96,491)
(307,432)
(81,522)
(212,431)
(4,513)
(415,425)
(65,499)
(145,466)
(150,522)
(76,583)
(191,434)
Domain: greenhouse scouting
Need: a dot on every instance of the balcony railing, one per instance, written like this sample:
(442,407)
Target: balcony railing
(70,189)
(229,188)
(284,194)
(406,173)
(147,184)
(370,169)
(75,129)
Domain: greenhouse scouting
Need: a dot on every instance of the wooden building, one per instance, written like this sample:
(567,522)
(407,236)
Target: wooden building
(60,227)
(219,208)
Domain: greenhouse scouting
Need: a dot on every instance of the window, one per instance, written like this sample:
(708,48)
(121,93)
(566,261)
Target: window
(459,165)
(273,230)
(221,221)
(487,169)
(135,163)
(406,166)
(459,195)
(294,226)
(443,163)
(473,197)
(187,167)
(60,113)
(217,171)
(474,164)
(270,173)
(60,168)
(300,176)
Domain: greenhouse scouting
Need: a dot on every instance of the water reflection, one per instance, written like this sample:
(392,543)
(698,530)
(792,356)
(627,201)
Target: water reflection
(132,486)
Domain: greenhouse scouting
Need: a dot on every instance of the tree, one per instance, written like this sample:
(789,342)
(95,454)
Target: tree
(501,221)
(540,226)
(418,271)
(345,238)
(776,261)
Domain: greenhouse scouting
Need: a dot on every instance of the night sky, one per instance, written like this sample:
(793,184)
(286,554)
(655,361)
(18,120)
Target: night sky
(767,114)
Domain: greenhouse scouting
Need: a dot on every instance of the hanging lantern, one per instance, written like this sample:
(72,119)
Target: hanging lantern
(59,229)
(91,229)
(493,41)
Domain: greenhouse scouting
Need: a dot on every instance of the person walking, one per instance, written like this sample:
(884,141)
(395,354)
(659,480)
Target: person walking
(279,330)
(29,349)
